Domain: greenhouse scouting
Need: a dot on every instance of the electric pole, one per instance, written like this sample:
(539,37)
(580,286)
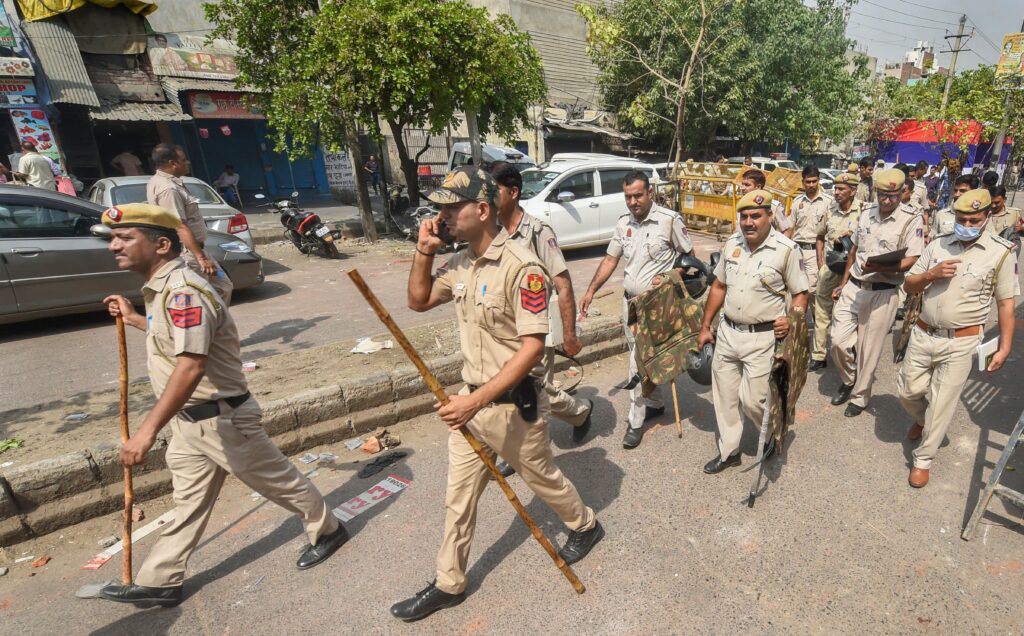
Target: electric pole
(997,147)
(955,50)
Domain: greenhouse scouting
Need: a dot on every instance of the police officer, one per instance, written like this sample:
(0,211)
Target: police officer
(866,296)
(754,179)
(809,209)
(196,370)
(920,198)
(959,274)
(944,219)
(500,292)
(840,221)
(650,237)
(1003,216)
(166,190)
(865,192)
(759,267)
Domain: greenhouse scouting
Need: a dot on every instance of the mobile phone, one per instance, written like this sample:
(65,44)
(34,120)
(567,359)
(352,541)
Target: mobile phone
(445,234)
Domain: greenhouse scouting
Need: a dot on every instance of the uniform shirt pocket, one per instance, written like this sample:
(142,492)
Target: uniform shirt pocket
(657,247)
(459,299)
(772,281)
(496,317)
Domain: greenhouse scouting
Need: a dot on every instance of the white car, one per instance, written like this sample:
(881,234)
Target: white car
(767,163)
(581,200)
(461,155)
(216,212)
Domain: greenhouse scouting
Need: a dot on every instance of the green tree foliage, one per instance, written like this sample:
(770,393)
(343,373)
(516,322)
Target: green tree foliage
(766,69)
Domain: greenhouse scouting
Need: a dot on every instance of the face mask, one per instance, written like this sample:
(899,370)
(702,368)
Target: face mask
(964,233)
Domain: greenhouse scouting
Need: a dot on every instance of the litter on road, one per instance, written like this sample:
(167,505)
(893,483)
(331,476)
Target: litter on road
(41,561)
(76,417)
(10,443)
(380,464)
(367,345)
(100,559)
(308,458)
(23,559)
(106,542)
(361,503)
(353,444)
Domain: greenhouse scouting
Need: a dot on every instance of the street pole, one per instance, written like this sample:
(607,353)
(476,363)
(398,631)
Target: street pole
(997,147)
(952,64)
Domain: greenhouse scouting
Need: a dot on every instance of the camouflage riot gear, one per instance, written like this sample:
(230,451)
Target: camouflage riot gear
(789,374)
(911,312)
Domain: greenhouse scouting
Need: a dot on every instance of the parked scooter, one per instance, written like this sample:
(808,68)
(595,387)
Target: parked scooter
(303,228)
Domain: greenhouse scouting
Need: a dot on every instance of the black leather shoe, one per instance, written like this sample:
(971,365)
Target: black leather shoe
(632,437)
(579,433)
(505,469)
(579,544)
(142,595)
(769,450)
(716,465)
(843,394)
(852,410)
(325,547)
(426,602)
(650,413)
(817,365)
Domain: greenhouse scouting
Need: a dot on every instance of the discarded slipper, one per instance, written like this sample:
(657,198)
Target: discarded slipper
(381,463)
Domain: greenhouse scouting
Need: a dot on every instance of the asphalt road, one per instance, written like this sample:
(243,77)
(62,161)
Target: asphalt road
(836,543)
(305,302)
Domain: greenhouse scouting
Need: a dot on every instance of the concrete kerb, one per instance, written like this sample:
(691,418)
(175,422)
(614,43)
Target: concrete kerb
(53,493)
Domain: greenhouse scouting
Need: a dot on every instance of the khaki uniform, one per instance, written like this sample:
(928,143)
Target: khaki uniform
(169,192)
(185,315)
(919,198)
(537,237)
(756,286)
(1009,217)
(807,216)
(942,222)
(780,220)
(936,365)
(497,303)
(832,227)
(649,248)
(862,317)
(865,192)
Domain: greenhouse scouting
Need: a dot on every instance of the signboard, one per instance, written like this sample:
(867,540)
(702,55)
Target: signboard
(216,105)
(859,152)
(183,56)
(6,33)
(16,67)
(1011,59)
(339,171)
(17,93)
(33,126)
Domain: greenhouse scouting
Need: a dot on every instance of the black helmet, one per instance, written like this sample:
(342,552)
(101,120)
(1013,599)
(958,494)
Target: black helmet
(696,275)
(836,257)
(699,366)
(715,257)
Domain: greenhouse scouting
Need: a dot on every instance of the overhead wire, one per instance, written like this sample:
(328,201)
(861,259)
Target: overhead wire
(911,15)
(924,6)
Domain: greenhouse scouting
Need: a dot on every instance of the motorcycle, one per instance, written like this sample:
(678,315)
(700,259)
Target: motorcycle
(303,228)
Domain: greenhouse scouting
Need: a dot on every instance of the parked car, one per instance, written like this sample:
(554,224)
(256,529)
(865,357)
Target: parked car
(461,155)
(828,177)
(581,200)
(767,163)
(216,212)
(51,263)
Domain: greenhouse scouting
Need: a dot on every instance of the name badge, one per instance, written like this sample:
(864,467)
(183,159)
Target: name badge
(460,286)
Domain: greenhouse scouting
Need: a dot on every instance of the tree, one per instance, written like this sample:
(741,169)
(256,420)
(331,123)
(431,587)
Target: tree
(769,70)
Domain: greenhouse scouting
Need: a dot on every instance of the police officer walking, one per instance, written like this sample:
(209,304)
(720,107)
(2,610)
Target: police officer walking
(959,274)
(866,296)
(839,221)
(195,367)
(865,192)
(759,267)
(650,238)
(1003,216)
(500,292)
(944,219)
(166,190)
(809,209)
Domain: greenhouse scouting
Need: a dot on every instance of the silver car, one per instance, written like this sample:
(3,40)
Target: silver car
(51,264)
(216,212)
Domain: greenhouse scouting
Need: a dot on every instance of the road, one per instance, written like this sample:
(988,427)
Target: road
(836,543)
(305,302)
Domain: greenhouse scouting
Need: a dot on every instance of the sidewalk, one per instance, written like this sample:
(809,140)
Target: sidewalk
(265,225)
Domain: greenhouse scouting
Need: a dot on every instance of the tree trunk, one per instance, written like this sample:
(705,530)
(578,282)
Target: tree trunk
(687,74)
(355,153)
(407,162)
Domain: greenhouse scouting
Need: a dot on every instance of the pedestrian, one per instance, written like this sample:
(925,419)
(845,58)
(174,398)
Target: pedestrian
(650,238)
(866,298)
(227,184)
(754,179)
(989,179)
(127,163)
(748,161)
(959,274)
(809,209)
(944,219)
(759,268)
(538,237)
(500,291)
(865,192)
(931,183)
(35,169)
(839,222)
(1002,216)
(372,168)
(195,367)
(166,189)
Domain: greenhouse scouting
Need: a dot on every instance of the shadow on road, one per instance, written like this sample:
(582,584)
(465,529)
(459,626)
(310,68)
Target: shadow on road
(50,326)
(286,330)
(266,291)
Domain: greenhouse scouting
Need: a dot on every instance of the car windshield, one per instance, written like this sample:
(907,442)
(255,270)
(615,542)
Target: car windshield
(136,193)
(788,165)
(535,180)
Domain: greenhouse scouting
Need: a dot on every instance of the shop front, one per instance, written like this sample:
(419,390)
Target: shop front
(24,119)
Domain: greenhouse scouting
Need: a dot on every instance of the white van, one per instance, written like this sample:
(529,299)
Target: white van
(581,200)
(462,155)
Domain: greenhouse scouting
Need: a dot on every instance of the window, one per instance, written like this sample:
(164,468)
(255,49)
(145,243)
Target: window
(132,193)
(581,185)
(96,193)
(461,159)
(25,220)
(611,181)
(203,192)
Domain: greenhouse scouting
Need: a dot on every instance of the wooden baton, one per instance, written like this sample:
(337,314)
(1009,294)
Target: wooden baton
(126,531)
(436,388)
(675,404)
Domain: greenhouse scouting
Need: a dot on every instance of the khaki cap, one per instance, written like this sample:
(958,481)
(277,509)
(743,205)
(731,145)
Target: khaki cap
(890,180)
(141,215)
(851,179)
(755,199)
(853,167)
(973,201)
(465,183)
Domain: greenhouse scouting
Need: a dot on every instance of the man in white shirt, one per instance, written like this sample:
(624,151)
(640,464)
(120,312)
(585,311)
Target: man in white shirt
(227,184)
(35,169)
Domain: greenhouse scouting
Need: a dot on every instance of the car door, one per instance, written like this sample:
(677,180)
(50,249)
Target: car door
(611,200)
(575,222)
(7,303)
(52,259)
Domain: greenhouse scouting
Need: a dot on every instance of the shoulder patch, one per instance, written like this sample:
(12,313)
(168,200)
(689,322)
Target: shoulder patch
(181,300)
(533,296)
(1001,241)
(186,318)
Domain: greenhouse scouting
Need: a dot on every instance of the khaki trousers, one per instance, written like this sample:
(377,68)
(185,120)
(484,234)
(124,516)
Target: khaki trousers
(526,446)
(809,263)
(563,406)
(637,402)
(200,456)
(823,303)
(219,280)
(861,319)
(739,382)
(931,378)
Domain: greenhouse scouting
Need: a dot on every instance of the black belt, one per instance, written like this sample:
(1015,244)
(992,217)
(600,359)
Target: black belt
(758,327)
(807,246)
(504,398)
(872,286)
(211,409)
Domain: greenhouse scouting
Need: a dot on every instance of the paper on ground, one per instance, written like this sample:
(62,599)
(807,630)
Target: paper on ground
(100,559)
(359,504)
